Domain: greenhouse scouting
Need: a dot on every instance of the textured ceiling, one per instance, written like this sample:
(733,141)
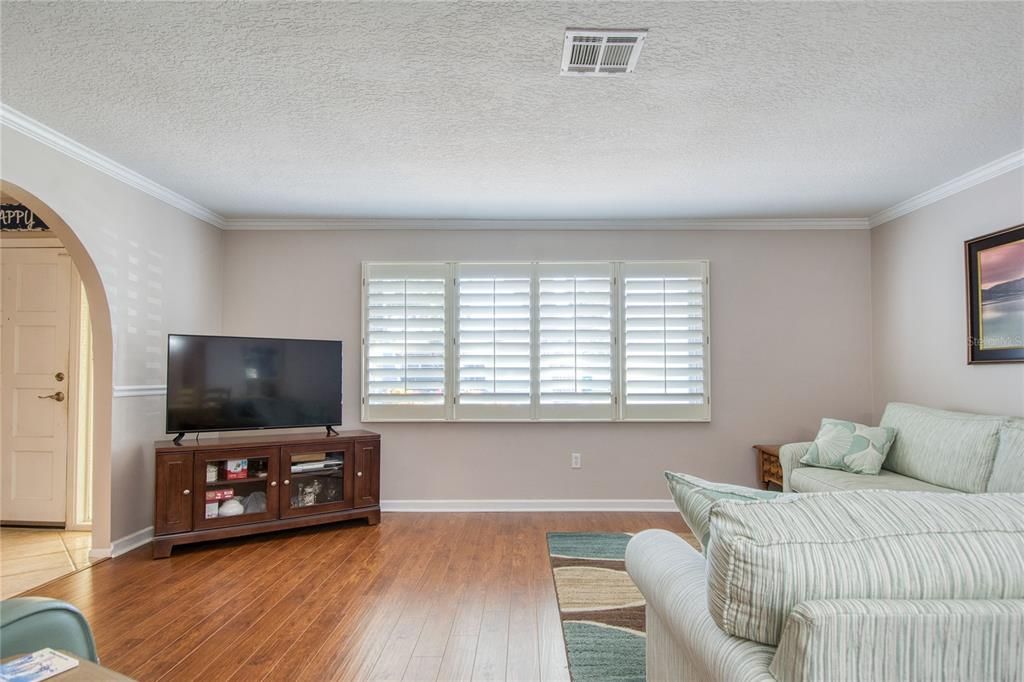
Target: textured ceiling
(436,109)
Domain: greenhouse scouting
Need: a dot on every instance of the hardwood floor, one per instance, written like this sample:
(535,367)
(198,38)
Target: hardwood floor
(464,596)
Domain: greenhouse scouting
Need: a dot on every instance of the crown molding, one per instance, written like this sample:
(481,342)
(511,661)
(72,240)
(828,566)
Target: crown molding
(967,180)
(17,121)
(667,224)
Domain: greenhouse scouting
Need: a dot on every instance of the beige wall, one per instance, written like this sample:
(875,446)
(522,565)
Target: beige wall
(790,326)
(160,270)
(919,303)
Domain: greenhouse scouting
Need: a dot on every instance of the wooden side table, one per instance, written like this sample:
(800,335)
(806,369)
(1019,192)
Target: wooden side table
(770,470)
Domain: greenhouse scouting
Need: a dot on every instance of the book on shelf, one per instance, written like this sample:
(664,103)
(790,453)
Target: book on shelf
(219,494)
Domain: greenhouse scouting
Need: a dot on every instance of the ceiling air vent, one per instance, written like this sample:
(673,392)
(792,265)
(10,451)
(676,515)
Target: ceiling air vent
(601,52)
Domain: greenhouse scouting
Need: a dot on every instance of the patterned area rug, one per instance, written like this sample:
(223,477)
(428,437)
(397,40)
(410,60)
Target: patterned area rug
(602,610)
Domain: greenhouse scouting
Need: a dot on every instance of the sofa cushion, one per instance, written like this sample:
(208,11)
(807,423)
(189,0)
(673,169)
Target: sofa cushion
(849,446)
(951,449)
(1008,469)
(766,557)
(694,497)
(811,480)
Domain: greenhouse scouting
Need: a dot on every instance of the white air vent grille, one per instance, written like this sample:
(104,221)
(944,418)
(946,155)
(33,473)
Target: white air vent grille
(601,52)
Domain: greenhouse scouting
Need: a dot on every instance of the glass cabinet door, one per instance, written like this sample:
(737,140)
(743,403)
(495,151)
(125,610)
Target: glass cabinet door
(236,486)
(315,481)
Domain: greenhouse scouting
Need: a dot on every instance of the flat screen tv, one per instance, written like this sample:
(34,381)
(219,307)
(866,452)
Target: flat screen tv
(232,383)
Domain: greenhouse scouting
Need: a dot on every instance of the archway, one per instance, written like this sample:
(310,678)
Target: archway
(103,361)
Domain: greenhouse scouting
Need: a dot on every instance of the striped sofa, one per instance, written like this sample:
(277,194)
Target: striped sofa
(934,451)
(851,585)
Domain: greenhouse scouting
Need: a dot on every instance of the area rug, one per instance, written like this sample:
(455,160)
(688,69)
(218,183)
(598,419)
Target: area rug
(602,610)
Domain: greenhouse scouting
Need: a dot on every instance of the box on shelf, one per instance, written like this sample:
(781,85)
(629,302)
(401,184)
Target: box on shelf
(219,494)
(211,509)
(308,457)
(211,473)
(237,468)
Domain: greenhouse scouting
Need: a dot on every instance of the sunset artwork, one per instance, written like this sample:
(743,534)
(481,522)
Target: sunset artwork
(995,296)
(1001,280)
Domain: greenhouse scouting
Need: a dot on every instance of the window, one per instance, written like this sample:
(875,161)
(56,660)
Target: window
(601,341)
(574,345)
(664,341)
(404,341)
(492,341)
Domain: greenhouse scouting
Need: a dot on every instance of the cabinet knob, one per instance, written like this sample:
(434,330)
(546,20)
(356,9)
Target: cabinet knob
(273,484)
(186,491)
(286,481)
(359,473)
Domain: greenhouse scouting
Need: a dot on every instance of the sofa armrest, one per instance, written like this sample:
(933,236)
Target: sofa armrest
(883,639)
(683,642)
(789,458)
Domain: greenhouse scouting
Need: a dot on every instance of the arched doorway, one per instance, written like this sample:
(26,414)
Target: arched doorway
(102,360)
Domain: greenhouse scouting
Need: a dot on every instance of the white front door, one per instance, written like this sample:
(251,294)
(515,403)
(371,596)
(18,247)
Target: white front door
(34,342)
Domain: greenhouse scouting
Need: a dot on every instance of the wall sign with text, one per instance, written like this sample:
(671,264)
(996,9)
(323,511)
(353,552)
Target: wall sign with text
(18,218)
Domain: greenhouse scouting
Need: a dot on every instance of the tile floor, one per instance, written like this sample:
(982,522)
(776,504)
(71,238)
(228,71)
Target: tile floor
(30,557)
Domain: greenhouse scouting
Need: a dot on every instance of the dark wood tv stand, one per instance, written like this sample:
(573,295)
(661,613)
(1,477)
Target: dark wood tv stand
(273,482)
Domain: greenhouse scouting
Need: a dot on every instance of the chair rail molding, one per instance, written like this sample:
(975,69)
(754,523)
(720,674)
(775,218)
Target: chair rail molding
(141,390)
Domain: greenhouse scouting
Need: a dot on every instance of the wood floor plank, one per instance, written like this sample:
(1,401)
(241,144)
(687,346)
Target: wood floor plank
(418,597)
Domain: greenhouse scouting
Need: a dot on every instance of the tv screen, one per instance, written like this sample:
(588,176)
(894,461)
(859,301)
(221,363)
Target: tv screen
(227,383)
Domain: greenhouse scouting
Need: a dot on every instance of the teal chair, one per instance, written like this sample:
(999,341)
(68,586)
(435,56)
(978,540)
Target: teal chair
(29,624)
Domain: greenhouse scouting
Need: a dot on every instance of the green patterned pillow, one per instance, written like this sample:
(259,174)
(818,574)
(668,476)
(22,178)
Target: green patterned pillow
(850,447)
(695,497)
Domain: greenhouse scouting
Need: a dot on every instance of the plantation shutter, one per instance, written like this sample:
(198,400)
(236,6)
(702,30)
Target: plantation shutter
(404,341)
(493,322)
(664,348)
(575,336)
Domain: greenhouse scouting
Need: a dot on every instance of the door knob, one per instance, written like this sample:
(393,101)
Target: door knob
(58,396)
(286,481)
(359,473)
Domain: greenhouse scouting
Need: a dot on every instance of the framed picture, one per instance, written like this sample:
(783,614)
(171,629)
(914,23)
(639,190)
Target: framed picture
(995,296)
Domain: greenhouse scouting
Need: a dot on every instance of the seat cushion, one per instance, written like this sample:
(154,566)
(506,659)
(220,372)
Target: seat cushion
(813,480)
(950,449)
(695,496)
(766,557)
(1008,469)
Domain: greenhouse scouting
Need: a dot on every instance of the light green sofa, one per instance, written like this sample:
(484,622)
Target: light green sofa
(934,451)
(854,585)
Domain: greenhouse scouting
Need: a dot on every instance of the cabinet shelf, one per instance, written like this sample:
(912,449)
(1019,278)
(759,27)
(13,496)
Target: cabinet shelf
(318,472)
(236,481)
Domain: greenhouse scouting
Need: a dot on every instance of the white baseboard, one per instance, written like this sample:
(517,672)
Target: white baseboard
(126,544)
(97,553)
(526,505)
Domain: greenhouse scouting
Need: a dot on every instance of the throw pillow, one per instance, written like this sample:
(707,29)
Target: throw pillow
(850,447)
(694,497)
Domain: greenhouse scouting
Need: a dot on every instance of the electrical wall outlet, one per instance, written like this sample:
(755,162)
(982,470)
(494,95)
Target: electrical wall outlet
(577,461)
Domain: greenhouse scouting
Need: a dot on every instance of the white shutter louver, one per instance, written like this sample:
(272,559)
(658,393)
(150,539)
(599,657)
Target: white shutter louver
(664,340)
(493,341)
(574,348)
(404,341)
